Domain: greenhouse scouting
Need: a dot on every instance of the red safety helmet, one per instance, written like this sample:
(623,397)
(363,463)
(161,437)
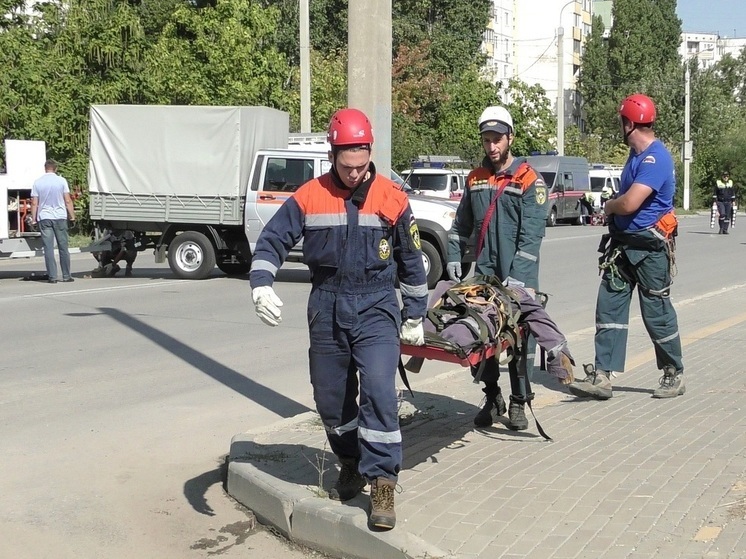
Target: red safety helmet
(638,109)
(349,127)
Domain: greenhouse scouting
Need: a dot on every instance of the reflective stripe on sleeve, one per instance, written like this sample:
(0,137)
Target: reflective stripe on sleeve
(265,265)
(526,255)
(413,290)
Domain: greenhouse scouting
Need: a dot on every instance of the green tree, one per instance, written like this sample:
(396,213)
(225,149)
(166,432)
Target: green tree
(453,27)
(599,102)
(219,56)
(533,118)
(457,116)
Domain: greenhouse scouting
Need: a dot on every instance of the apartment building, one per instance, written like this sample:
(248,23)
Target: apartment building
(539,42)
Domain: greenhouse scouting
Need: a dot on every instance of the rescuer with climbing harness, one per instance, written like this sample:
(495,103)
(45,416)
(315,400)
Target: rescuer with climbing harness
(638,252)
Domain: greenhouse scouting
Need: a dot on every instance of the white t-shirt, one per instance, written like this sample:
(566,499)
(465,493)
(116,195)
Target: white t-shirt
(50,189)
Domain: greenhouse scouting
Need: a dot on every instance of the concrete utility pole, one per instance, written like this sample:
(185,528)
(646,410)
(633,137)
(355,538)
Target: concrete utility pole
(561,82)
(687,140)
(560,89)
(369,71)
(305,69)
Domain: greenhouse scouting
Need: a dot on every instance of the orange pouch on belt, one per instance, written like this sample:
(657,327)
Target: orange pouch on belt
(668,225)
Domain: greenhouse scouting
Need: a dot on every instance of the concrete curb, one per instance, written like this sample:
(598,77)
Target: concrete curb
(338,529)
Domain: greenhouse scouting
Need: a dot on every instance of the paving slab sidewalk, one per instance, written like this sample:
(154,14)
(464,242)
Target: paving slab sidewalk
(631,477)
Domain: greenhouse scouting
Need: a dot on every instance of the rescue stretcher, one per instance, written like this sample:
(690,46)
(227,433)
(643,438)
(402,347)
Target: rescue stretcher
(460,356)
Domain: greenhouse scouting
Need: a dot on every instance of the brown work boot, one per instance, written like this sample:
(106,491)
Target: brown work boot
(349,483)
(382,513)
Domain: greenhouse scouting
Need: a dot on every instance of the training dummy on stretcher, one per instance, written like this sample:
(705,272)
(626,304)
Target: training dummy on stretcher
(480,319)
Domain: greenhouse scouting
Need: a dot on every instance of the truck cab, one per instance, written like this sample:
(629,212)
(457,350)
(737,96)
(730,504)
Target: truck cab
(276,174)
(439,176)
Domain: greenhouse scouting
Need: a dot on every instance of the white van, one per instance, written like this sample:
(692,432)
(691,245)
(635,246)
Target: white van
(604,175)
(441,176)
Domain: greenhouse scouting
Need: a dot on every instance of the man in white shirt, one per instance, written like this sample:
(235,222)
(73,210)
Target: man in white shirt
(51,207)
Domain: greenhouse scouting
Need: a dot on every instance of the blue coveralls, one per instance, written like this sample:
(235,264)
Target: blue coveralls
(355,245)
(645,263)
(513,239)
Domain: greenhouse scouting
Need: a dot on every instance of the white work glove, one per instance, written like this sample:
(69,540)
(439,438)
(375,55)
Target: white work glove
(454,271)
(412,332)
(267,305)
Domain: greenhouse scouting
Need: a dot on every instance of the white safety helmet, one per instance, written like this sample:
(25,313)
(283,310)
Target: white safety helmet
(496,119)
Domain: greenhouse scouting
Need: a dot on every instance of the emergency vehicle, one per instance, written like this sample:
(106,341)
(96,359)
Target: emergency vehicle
(440,176)
(24,163)
(567,181)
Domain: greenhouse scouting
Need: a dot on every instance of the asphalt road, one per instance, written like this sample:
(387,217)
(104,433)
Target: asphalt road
(119,396)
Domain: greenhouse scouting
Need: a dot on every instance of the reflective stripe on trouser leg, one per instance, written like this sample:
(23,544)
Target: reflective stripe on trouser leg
(375,348)
(658,313)
(612,325)
(334,378)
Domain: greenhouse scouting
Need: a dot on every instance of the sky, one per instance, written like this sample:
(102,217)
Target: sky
(726,17)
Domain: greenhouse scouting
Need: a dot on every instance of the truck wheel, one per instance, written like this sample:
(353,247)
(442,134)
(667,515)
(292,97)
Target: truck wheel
(552,218)
(191,255)
(234,268)
(433,263)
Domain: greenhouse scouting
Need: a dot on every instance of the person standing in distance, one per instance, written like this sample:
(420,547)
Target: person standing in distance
(504,203)
(51,207)
(724,197)
(359,235)
(642,227)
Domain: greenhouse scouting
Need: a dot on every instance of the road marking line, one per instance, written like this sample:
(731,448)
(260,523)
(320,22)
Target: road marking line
(94,290)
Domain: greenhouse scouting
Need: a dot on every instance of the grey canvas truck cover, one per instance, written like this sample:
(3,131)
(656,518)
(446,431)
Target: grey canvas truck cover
(186,164)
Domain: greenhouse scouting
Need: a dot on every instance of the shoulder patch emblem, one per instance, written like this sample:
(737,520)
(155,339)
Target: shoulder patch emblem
(414,232)
(541,194)
(649,159)
(384,249)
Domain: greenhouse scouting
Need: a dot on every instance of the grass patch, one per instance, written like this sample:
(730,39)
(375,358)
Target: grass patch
(79,240)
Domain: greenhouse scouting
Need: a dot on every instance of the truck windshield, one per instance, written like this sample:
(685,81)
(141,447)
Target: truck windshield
(428,182)
(548,178)
(597,183)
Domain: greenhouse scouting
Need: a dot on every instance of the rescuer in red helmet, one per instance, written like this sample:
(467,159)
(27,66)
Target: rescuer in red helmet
(359,235)
(639,254)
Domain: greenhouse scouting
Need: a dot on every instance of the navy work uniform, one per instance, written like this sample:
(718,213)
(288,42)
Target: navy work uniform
(355,244)
(724,196)
(512,239)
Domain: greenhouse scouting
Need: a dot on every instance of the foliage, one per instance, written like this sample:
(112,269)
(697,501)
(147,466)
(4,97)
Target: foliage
(219,56)
(533,119)
(594,148)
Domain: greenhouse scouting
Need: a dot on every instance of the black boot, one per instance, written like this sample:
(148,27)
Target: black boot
(350,482)
(494,406)
(517,420)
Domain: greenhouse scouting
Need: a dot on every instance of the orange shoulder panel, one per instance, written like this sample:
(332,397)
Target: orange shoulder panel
(478,174)
(385,199)
(320,196)
(525,176)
